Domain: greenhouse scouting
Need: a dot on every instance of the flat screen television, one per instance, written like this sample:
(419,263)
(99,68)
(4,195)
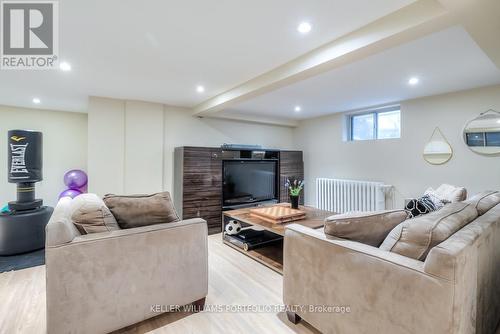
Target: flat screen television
(248,181)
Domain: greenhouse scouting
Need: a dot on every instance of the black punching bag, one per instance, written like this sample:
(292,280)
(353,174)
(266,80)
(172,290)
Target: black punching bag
(25,167)
(22,229)
(25,156)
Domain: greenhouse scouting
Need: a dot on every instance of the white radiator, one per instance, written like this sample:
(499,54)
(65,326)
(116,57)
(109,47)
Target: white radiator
(347,195)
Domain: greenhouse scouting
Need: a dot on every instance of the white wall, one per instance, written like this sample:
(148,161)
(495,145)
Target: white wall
(131,144)
(143,147)
(125,146)
(64,148)
(399,161)
(106,145)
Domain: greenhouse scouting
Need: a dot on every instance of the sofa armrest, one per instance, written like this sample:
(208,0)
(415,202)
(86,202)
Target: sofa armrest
(101,282)
(135,231)
(385,292)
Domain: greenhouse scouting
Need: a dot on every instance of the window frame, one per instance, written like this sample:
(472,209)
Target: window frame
(375,112)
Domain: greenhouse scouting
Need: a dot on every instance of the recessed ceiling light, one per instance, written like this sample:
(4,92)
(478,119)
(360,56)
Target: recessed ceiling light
(304,27)
(200,89)
(297,109)
(413,81)
(36,100)
(64,66)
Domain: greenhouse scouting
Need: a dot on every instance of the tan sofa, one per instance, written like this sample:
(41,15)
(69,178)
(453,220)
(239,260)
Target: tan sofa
(97,283)
(455,290)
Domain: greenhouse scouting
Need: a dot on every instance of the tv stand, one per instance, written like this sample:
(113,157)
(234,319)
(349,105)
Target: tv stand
(198,179)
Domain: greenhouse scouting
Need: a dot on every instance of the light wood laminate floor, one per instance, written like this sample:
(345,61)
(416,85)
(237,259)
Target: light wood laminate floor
(234,279)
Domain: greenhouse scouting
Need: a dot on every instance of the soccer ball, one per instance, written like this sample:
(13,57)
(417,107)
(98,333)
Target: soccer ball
(233,227)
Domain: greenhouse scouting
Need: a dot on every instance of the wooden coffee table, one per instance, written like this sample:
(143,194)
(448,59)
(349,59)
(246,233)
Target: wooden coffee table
(271,255)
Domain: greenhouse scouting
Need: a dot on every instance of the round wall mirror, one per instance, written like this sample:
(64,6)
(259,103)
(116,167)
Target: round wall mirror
(482,134)
(437,151)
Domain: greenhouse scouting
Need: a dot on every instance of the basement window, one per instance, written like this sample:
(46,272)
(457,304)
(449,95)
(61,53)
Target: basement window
(383,123)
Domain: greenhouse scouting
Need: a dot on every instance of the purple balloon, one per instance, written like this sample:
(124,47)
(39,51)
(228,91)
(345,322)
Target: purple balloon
(83,189)
(70,193)
(75,179)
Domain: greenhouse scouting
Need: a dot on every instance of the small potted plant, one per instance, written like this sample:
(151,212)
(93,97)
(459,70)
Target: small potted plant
(294,186)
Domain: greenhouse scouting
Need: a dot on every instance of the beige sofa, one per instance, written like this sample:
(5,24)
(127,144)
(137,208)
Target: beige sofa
(455,290)
(97,283)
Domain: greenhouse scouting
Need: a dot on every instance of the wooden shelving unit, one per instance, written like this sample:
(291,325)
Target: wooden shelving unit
(198,181)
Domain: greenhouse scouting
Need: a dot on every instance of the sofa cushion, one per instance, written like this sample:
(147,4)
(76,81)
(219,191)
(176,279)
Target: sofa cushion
(484,201)
(414,238)
(370,228)
(141,210)
(90,215)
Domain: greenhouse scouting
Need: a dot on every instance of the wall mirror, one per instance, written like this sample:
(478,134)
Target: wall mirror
(482,134)
(438,150)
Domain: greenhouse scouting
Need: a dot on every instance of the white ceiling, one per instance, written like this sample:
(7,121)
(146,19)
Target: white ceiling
(160,50)
(444,61)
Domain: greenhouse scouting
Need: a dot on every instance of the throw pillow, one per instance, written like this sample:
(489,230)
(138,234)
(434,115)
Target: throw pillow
(420,206)
(485,201)
(436,198)
(142,210)
(414,238)
(370,228)
(90,215)
(452,193)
